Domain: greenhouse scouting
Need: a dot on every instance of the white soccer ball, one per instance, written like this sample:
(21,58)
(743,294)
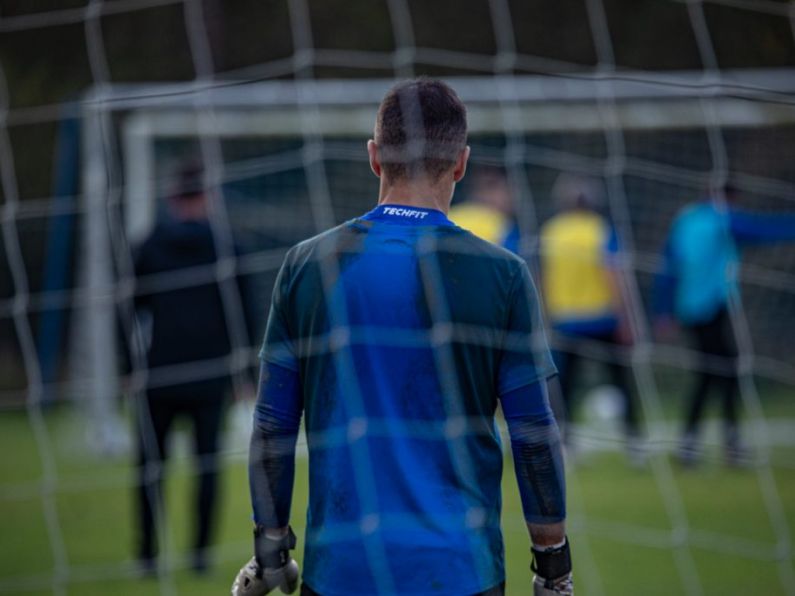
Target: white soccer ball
(604,404)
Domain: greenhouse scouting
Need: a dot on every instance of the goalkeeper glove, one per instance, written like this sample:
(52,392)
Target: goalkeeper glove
(270,568)
(552,567)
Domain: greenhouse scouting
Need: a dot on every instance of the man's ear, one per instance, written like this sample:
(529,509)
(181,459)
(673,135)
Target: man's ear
(375,162)
(461,164)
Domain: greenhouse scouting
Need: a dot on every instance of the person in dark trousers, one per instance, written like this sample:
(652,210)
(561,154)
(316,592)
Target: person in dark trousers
(179,301)
(694,287)
(581,282)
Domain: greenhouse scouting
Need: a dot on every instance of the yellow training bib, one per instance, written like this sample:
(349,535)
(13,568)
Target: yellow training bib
(574,272)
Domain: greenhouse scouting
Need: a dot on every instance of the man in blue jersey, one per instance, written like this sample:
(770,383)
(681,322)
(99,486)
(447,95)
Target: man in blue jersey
(397,334)
(694,288)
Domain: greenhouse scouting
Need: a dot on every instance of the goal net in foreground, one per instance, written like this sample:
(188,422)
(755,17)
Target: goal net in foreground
(284,160)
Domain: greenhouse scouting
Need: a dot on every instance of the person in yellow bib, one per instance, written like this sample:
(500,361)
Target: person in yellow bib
(489,211)
(581,286)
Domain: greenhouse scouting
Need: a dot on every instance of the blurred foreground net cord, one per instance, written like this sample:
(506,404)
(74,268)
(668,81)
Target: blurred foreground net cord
(647,110)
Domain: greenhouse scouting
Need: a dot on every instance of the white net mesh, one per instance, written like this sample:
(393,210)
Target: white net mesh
(280,134)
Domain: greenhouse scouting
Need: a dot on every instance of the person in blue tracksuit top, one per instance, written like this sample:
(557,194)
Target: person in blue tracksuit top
(694,287)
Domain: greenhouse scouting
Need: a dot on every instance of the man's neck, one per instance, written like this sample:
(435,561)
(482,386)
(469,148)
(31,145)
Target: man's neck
(416,194)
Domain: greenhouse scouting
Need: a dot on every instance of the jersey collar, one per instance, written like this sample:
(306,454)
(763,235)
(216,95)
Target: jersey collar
(405,215)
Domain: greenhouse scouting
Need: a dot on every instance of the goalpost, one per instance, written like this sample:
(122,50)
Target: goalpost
(565,104)
(315,113)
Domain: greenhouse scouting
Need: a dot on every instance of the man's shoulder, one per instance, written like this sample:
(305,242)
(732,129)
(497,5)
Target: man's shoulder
(453,239)
(314,247)
(697,215)
(465,243)
(153,243)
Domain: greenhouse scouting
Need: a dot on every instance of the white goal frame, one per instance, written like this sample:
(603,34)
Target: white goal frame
(317,108)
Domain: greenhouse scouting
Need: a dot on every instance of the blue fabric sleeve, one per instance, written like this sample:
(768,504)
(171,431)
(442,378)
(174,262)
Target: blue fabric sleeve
(512,240)
(279,396)
(665,283)
(759,228)
(611,248)
(537,453)
(278,346)
(277,417)
(525,356)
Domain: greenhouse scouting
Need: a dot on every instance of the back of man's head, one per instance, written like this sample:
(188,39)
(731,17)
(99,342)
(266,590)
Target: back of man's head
(188,200)
(490,187)
(421,129)
(572,191)
(727,191)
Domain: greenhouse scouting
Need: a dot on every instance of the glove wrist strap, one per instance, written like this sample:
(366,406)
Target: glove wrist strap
(272,553)
(552,564)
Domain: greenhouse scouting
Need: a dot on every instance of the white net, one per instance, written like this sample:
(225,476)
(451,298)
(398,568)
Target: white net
(279,131)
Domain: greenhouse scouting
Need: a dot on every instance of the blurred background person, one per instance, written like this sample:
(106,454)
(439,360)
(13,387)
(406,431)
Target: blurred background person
(488,212)
(581,286)
(187,359)
(694,286)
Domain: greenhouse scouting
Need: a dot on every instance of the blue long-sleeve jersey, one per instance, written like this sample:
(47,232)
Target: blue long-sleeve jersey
(396,335)
(701,257)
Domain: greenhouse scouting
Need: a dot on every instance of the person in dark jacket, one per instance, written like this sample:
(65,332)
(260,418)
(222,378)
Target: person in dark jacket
(187,304)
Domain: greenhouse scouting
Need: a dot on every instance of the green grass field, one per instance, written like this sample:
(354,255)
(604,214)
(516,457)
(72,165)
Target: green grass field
(621,524)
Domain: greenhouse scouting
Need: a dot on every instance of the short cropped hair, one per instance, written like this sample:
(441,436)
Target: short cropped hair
(573,191)
(421,129)
(189,183)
